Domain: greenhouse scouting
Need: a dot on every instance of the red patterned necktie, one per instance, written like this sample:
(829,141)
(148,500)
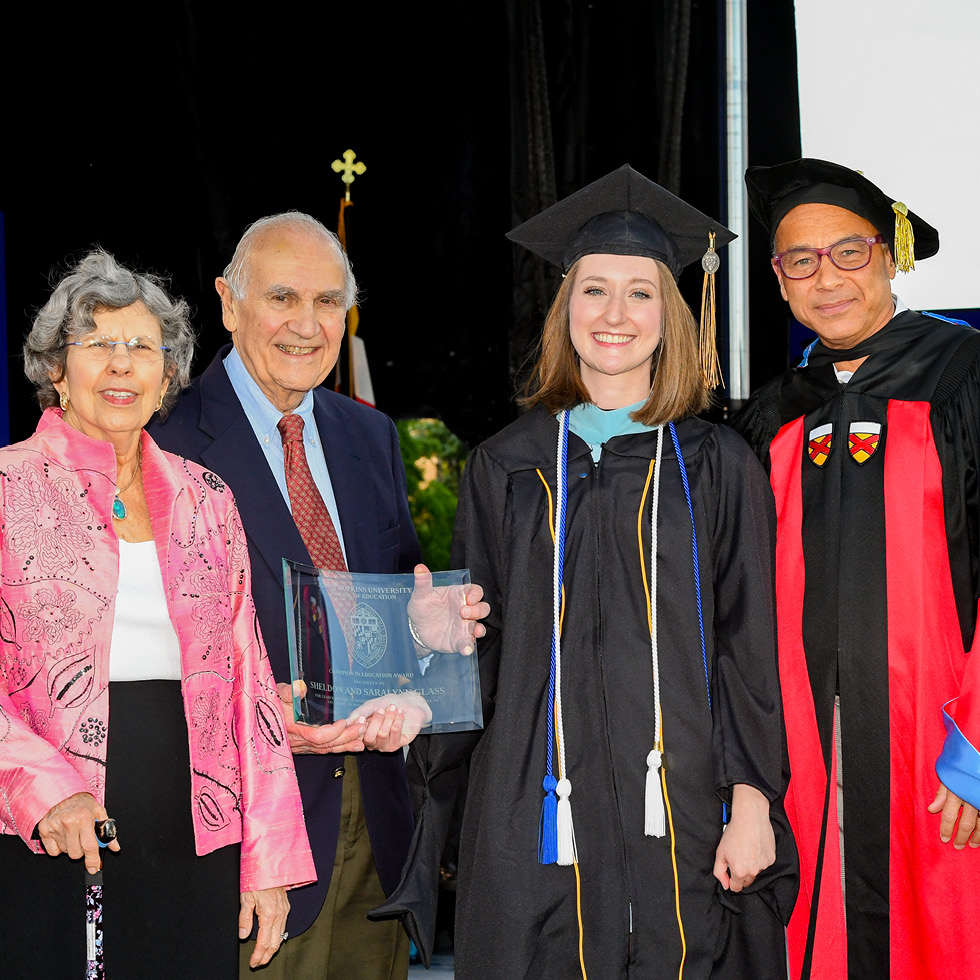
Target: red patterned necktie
(312,518)
(309,511)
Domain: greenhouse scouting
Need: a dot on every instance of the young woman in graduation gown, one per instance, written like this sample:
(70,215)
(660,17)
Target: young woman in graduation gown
(622,816)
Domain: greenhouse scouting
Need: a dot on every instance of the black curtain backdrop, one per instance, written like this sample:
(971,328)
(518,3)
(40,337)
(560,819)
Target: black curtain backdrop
(160,130)
(774,136)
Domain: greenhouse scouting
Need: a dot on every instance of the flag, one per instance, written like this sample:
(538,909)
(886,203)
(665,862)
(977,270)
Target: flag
(359,373)
(361,386)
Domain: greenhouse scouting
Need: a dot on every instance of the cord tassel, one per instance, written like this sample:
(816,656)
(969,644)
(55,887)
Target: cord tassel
(550,847)
(655,820)
(567,854)
(654,817)
(548,831)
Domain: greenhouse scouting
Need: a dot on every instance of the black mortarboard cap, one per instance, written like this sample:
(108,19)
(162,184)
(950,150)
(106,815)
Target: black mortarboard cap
(622,213)
(775,191)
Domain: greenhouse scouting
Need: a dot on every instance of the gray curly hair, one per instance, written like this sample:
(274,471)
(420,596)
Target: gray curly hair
(237,271)
(98,282)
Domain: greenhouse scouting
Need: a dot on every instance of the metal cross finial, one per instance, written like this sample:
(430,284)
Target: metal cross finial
(349,169)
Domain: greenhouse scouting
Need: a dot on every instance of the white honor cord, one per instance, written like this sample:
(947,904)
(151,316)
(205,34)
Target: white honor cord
(567,853)
(654,821)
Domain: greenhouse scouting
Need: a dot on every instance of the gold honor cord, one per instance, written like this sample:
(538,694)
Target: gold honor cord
(660,746)
(551,528)
(561,621)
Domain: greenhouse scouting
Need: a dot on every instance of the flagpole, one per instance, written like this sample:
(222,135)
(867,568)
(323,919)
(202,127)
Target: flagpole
(348,170)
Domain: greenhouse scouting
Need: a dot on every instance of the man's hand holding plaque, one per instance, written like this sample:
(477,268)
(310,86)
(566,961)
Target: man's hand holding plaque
(346,735)
(446,618)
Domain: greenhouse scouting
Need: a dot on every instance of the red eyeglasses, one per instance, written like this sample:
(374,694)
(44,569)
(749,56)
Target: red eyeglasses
(849,255)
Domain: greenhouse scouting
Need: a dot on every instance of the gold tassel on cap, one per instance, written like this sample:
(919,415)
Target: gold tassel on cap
(710,366)
(904,238)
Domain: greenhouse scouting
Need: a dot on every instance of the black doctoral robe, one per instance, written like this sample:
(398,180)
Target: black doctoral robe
(878,507)
(647,904)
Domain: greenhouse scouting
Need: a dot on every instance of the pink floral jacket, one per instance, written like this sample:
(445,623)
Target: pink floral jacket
(58,579)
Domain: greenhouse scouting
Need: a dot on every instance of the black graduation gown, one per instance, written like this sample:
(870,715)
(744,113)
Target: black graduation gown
(516,918)
(877,597)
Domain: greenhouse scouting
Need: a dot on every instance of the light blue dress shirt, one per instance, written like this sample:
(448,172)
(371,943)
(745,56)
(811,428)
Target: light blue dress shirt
(264,417)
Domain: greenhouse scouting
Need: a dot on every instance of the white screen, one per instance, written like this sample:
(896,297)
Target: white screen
(892,88)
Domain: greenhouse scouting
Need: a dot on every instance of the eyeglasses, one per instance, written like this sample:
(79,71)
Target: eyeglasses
(850,255)
(142,349)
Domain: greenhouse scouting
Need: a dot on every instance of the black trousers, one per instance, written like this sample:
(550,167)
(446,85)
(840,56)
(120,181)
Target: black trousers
(166,912)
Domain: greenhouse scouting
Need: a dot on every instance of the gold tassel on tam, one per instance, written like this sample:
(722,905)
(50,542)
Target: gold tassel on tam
(710,366)
(904,239)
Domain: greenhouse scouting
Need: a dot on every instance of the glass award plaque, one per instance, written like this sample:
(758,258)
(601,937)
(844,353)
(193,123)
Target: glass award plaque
(350,641)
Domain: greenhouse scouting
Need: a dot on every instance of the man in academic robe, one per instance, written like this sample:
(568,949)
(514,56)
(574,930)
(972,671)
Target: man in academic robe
(873,449)
(284,298)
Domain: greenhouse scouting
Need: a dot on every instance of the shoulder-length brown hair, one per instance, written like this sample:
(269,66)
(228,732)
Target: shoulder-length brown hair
(677,387)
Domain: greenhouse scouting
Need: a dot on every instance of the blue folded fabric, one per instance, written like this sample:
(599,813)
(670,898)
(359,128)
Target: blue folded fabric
(958,765)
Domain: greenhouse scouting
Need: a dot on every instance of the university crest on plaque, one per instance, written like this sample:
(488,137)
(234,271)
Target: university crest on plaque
(370,636)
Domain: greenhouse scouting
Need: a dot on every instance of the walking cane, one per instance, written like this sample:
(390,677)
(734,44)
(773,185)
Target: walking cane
(105,831)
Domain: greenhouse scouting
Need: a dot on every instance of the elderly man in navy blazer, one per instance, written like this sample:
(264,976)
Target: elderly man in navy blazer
(284,299)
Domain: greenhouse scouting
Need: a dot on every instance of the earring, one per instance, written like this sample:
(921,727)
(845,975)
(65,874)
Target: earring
(63,398)
(159,403)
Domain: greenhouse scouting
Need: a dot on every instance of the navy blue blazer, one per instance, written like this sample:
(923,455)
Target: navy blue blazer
(209,426)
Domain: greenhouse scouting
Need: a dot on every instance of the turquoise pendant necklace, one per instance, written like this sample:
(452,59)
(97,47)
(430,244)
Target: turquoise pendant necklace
(118,507)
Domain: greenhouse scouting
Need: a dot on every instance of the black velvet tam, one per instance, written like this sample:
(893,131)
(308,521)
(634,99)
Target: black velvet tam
(775,191)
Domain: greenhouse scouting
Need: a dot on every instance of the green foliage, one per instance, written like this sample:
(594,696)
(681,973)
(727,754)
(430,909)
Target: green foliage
(433,459)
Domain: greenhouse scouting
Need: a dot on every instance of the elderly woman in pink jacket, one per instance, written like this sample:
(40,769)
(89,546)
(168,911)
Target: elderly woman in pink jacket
(133,679)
